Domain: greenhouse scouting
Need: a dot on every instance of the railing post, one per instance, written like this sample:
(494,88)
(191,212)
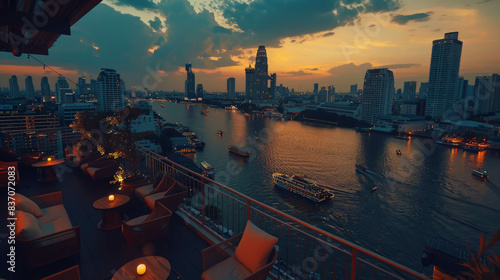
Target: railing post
(353,264)
(249,214)
(202,190)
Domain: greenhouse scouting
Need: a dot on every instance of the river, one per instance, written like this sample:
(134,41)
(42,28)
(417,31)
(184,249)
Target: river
(428,191)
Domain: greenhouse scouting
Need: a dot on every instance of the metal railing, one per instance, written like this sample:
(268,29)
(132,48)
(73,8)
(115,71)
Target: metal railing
(305,251)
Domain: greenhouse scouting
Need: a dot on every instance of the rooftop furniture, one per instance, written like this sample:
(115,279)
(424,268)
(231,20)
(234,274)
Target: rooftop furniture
(171,198)
(30,158)
(86,165)
(72,273)
(133,182)
(147,228)
(102,169)
(7,155)
(157,268)
(160,183)
(82,158)
(48,236)
(4,173)
(111,211)
(248,255)
(46,170)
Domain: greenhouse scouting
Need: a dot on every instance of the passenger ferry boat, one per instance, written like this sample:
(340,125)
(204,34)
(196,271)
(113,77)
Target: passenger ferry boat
(239,151)
(204,111)
(197,143)
(232,107)
(302,186)
(398,152)
(480,173)
(207,169)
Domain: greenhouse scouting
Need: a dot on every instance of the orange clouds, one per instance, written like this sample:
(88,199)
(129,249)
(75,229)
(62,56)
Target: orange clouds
(22,70)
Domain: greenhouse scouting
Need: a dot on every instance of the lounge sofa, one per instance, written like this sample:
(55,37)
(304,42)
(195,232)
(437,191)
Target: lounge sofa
(102,169)
(44,233)
(160,183)
(147,228)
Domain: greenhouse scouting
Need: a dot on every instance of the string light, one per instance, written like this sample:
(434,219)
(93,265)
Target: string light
(45,65)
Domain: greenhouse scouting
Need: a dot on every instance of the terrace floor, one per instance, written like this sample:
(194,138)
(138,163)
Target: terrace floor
(104,252)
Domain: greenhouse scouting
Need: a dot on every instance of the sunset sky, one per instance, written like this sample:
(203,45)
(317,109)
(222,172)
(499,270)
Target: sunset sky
(329,42)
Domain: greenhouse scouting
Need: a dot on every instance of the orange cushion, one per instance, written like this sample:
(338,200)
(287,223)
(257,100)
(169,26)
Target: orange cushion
(255,247)
(27,226)
(27,205)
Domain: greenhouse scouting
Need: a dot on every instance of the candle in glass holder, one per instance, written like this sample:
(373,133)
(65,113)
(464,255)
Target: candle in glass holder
(111,197)
(141,269)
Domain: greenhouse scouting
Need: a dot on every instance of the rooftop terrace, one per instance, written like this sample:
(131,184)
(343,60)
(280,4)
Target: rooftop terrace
(209,214)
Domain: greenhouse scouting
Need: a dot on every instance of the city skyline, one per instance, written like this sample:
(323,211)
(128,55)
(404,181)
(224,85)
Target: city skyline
(338,51)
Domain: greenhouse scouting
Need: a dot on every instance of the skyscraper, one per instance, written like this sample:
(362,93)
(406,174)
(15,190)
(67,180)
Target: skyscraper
(261,73)
(14,87)
(62,88)
(423,90)
(189,89)
(84,92)
(199,91)
(487,94)
(272,89)
(249,82)
(316,88)
(45,87)
(443,75)
(30,89)
(378,92)
(410,91)
(354,89)
(231,87)
(109,90)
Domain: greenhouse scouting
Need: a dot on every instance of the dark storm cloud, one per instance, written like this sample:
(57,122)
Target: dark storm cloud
(108,38)
(328,34)
(267,21)
(155,24)
(404,19)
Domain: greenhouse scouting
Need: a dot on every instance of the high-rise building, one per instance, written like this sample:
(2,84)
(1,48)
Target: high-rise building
(109,91)
(30,89)
(249,82)
(231,88)
(62,89)
(487,94)
(316,88)
(199,91)
(410,91)
(14,87)
(443,75)
(261,74)
(189,86)
(461,89)
(45,87)
(84,91)
(423,90)
(272,90)
(378,92)
(354,89)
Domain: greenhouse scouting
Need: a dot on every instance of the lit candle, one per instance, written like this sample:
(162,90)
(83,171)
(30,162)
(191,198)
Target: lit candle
(141,269)
(111,197)
(49,159)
